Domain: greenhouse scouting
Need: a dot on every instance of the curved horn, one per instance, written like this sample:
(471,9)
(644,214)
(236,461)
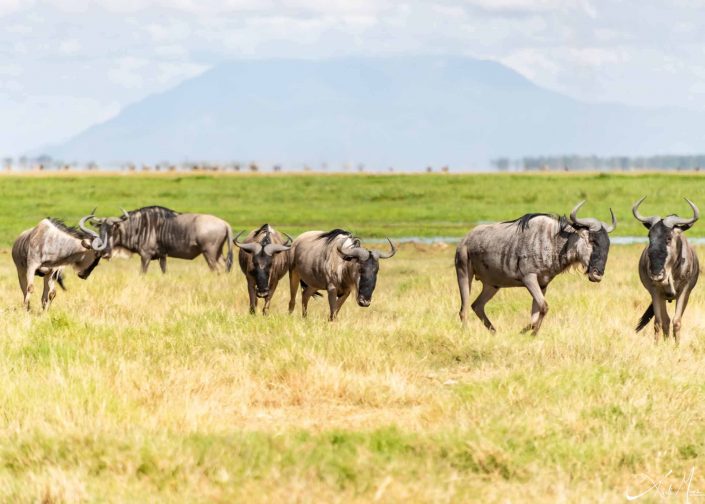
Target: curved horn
(645,220)
(356,252)
(274,248)
(82,225)
(386,255)
(612,226)
(97,243)
(252,248)
(586,222)
(125,215)
(289,239)
(675,221)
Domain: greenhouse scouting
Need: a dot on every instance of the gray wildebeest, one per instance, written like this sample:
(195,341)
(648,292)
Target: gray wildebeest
(50,246)
(264,260)
(668,268)
(335,262)
(155,232)
(529,252)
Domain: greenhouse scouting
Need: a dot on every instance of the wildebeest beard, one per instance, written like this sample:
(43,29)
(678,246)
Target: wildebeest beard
(659,236)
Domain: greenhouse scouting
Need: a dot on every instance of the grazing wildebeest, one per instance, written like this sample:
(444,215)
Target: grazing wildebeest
(47,248)
(264,261)
(155,232)
(529,252)
(335,262)
(668,268)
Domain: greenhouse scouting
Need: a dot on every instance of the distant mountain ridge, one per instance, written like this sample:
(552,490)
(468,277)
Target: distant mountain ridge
(405,112)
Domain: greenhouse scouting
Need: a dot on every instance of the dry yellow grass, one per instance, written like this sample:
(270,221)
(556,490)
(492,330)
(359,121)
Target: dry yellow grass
(164,389)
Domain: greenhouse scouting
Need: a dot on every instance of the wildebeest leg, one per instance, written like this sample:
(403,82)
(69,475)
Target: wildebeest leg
(294,282)
(49,290)
(464,271)
(681,303)
(22,275)
(308,292)
(535,312)
(162,263)
(532,284)
(29,284)
(661,321)
(251,293)
(332,301)
(340,301)
(272,287)
(488,292)
(145,263)
(210,260)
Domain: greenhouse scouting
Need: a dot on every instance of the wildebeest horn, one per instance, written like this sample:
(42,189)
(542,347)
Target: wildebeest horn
(253,248)
(386,255)
(356,252)
(273,248)
(645,220)
(612,226)
(680,222)
(586,222)
(289,239)
(125,215)
(97,243)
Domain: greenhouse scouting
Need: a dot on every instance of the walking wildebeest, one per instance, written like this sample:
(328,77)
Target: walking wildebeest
(155,232)
(47,248)
(263,263)
(668,268)
(335,262)
(529,252)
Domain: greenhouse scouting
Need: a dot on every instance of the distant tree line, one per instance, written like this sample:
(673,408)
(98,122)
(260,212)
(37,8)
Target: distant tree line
(577,163)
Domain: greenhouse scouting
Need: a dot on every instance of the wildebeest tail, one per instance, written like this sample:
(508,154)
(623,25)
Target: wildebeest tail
(229,256)
(60,279)
(648,315)
(304,287)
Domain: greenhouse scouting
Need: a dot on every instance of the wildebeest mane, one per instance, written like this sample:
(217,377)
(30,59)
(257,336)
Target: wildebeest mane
(333,234)
(523,221)
(72,230)
(155,209)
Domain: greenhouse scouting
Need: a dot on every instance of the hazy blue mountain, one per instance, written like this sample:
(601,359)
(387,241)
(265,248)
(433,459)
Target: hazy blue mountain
(406,112)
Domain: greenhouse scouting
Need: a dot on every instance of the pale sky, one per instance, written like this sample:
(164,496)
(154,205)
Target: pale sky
(67,64)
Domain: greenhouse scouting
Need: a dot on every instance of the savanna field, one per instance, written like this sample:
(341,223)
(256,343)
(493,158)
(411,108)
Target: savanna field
(163,389)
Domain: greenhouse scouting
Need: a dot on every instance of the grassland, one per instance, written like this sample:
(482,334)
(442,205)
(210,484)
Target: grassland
(162,388)
(369,205)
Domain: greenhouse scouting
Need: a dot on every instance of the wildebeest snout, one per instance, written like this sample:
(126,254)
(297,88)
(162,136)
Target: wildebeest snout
(361,301)
(594,275)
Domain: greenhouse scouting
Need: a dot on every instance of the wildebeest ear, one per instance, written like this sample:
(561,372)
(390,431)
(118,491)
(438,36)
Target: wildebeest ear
(348,258)
(647,225)
(86,243)
(684,227)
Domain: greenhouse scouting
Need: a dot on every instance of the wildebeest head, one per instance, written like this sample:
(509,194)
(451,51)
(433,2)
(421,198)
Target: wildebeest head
(595,243)
(367,262)
(662,251)
(113,228)
(95,243)
(262,253)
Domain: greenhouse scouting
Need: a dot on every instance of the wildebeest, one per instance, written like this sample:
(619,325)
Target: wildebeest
(335,262)
(668,268)
(264,260)
(155,232)
(47,248)
(529,252)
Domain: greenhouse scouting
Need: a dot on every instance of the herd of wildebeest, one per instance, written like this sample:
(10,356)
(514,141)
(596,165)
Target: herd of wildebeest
(526,252)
